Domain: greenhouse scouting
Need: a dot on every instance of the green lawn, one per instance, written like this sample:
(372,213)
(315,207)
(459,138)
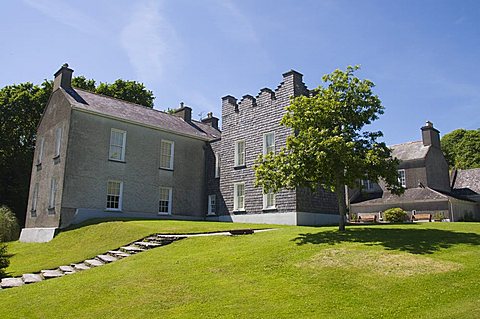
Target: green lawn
(428,270)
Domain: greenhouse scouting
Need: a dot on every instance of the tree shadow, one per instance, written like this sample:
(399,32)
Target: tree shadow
(414,241)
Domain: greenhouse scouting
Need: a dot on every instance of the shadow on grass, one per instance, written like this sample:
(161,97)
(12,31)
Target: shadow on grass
(414,241)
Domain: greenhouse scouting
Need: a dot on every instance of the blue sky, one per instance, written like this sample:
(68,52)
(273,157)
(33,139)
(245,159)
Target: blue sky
(424,56)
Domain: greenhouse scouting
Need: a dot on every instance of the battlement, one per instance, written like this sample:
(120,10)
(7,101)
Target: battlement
(292,85)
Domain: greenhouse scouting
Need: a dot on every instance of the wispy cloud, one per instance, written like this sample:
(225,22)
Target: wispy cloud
(240,27)
(68,15)
(150,41)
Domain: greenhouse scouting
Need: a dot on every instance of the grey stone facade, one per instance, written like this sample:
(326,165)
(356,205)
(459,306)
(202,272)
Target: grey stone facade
(248,120)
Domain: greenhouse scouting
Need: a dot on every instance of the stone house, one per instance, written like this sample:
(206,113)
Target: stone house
(424,173)
(101,157)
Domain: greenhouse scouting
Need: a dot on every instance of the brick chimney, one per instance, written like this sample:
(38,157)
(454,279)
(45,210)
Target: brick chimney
(63,78)
(211,120)
(184,112)
(430,135)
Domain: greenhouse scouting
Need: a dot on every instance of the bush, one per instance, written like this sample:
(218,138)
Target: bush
(395,215)
(9,228)
(3,259)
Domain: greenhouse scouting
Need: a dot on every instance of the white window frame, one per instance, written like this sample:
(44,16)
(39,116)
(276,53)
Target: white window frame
(212,204)
(41,147)
(238,199)
(33,211)
(58,141)
(172,154)
(120,196)
(265,148)
(265,199)
(52,196)
(217,165)
(240,161)
(124,143)
(169,207)
(367,184)
(402,178)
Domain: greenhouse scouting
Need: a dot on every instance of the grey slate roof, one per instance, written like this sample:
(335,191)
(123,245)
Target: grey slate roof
(409,151)
(468,178)
(122,110)
(410,195)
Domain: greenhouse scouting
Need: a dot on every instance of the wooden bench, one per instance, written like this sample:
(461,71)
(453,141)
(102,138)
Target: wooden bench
(367,218)
(418,217)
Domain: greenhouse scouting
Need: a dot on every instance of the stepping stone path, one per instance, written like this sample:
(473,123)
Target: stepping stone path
(136,247)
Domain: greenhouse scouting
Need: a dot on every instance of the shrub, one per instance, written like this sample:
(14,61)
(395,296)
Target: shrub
(3,259)
(395,215)
(9,228)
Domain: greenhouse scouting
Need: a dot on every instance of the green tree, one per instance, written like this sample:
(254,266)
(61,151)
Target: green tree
(21,107)
(328,147)
(4,262)
(131,91)
(462,148)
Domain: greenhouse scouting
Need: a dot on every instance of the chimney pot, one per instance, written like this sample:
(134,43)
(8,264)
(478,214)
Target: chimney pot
(63,78)
(430,135)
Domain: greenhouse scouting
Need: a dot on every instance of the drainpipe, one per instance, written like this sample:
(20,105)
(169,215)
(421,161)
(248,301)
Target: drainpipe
(451,210)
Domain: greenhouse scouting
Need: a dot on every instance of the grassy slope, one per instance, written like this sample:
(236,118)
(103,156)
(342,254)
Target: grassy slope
(275,274)
(79,244)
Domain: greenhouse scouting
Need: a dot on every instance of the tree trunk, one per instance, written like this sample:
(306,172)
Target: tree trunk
(342,206)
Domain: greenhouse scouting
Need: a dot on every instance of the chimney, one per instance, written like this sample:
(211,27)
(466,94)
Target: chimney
(184,112)
(211,120)
(430,135)
(63,78)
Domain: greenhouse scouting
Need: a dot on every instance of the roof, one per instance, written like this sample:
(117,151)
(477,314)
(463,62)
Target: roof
(138,114)
(409,151)
(411,195)
(468,179)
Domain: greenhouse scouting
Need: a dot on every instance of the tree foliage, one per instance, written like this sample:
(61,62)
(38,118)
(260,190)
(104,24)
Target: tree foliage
(21,107)
(462,148)
(4,262)
(9,228)
(328,147)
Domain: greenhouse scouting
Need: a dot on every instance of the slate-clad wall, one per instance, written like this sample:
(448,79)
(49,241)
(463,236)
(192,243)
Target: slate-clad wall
(249,119)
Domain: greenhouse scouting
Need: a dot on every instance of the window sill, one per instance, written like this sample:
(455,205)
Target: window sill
(239,212)
(113,210)
(240,167)
(51,211)
(211,214)
(116,160)
(33,213)
(270,209)
(164,214)
(39,167)
(166,169)
(56,156)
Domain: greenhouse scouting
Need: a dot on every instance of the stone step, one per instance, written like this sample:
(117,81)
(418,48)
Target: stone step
(48,274)
(118,253)
(31,278)
(66,269)
(70,272)
(80,266)
(132,249)
(93,263)
(11,282)
(147,244)
(107,258)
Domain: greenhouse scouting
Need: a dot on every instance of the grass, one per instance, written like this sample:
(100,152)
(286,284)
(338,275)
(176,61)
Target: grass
(427,270)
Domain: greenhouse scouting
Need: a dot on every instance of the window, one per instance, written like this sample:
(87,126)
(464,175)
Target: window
(367,184)
(401,178)
(239,196)
(166,154)
(33,212)
(118,139)
(53,195)
(217,165)
(268,199)
(58,141)
(41,145)
(212,204)
(165,202)
(268,143)
(114,195)
(240,153)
